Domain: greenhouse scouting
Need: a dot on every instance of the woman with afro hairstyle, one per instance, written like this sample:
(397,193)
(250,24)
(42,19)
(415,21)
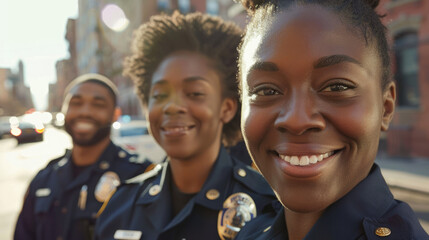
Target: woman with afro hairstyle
(316,94)
(185,69)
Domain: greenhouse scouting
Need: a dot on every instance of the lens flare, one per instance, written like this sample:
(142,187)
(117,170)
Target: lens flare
(114,17)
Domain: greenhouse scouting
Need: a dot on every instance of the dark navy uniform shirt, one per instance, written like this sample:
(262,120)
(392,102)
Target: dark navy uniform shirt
(367,212)
(60,206)
(142,209)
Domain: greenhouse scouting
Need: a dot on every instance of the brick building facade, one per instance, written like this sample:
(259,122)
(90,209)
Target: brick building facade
(408,27)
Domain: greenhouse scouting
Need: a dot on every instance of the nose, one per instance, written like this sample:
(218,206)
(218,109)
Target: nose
(85,109)
(175,105)
(300,115)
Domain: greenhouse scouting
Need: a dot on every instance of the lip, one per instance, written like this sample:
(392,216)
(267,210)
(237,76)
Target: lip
(176,130)
(307,170)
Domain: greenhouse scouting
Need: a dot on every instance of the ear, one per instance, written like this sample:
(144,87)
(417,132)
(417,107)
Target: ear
(389,97)
(228,109)
(117,114)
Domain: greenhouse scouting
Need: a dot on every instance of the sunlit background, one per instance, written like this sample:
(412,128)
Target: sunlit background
(33,32)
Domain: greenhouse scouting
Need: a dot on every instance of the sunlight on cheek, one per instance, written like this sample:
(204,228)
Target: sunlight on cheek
(245,109)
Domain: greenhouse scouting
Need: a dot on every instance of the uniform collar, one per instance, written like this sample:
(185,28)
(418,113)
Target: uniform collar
(217,182)
(343,220)
(216,187)
(64,167)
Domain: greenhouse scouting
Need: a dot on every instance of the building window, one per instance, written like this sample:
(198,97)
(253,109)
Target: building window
(212,7)
(407,69)
(184,6)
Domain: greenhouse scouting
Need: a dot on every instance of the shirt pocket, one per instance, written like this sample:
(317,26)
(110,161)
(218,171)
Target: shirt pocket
(43,205)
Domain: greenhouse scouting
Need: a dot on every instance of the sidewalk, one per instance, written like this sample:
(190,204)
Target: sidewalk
(406,173)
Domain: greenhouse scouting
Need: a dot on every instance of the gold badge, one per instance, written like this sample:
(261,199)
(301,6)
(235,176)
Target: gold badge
(383,232)
(238,209)
(212,194)
(106,185)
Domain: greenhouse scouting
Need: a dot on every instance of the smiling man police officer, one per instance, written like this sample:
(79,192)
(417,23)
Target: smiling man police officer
(63,199)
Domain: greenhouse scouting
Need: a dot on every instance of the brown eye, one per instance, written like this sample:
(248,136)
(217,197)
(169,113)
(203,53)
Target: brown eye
(266,92)
(159,96)
(337,87)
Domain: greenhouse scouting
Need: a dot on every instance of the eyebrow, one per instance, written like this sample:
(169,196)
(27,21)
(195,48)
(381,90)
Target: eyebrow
(334,59)
(194,78)
(264,66)
(187,79)
(320,63)
(97,98)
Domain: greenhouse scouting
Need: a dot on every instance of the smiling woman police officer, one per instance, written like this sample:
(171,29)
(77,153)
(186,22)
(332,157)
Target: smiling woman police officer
(63,199)
(185,71)
(316,94)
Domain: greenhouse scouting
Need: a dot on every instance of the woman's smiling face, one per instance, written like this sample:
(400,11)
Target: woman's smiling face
(186,109)
(313,106)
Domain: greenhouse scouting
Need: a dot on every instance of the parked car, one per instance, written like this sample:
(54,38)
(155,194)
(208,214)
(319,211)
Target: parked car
(25,132)
(134,137)
(5,130)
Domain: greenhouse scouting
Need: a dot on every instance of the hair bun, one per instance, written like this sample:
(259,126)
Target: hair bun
(372,3)
(252,5)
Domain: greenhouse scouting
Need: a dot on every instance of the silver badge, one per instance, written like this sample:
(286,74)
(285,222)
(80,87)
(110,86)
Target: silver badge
(238,209)
(106,185)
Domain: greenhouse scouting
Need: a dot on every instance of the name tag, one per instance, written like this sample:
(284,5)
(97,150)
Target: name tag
(127,235)
(43,192)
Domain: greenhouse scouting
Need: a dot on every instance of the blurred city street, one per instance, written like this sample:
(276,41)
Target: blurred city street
(408,178)
(18,165)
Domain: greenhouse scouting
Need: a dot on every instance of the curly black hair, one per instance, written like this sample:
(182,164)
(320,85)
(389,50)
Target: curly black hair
(360,15)
(210,36)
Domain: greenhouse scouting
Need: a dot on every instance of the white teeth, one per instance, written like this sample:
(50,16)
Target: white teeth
(294,160)
(176,129)
(84,126)
(313,159)
(286,158)
(305,160)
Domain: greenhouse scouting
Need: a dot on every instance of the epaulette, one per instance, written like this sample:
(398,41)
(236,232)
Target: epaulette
(146,175)
(58,159)
(252,179)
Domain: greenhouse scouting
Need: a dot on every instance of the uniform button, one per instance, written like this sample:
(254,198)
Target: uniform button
(122,154)
(383,232)
(59,238)
(104,165)
(242,172)
(154,190)
(212,194)
(64,210)
(56,203)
